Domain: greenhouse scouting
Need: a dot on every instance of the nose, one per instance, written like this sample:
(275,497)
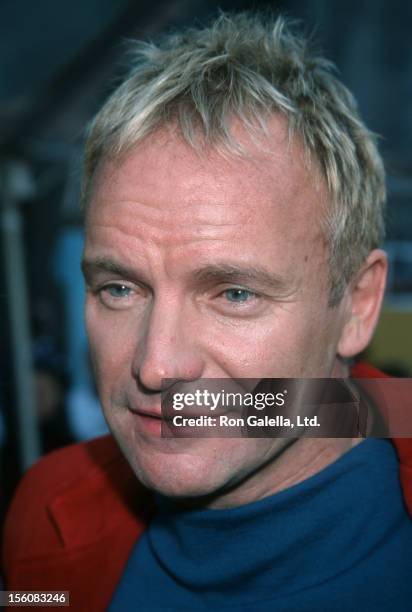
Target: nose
(167,347)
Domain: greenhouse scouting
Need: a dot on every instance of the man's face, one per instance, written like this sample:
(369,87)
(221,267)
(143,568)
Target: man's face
(204,267)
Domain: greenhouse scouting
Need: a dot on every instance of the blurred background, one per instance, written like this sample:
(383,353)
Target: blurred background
(58,62)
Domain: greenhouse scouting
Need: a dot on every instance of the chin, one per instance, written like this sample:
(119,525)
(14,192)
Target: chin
(177,481)
(172,472)
(180,490)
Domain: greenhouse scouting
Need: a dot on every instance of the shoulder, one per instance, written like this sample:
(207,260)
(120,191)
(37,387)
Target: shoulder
(402,445)
(60,469)
(60,501)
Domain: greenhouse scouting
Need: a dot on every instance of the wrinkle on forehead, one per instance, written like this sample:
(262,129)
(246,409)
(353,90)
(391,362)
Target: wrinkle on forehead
(163,159)
(165,194)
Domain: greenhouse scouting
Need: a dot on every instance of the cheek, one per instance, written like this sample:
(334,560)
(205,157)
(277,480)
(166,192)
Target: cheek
(270,347)
(111,345)
(291,343)
(317,344)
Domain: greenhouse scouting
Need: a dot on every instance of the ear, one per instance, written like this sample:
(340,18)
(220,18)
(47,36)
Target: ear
(364,300)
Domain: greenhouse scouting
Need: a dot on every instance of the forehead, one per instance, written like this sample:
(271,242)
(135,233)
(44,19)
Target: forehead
(166,191)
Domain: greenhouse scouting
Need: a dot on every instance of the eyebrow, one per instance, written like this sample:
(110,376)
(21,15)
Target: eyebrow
(233,273)
(217,273)
(104,264)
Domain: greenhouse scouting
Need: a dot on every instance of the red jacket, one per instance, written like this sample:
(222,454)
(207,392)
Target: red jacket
(78,513)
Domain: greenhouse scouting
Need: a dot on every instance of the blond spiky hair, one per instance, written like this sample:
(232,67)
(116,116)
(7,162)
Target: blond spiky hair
(249,67)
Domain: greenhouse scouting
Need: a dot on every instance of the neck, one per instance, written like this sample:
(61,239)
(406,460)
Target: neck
(301,459)
(296,461)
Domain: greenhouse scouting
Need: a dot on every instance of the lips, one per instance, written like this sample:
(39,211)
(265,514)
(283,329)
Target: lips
(155,412)
(146,421)
(165,412)
(152,418)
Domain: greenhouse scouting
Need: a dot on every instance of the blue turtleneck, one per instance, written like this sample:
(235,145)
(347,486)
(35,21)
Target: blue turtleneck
(341,540)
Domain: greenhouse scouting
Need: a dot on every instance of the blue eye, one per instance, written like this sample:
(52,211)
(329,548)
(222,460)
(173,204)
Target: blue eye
(118,291)
(238,296)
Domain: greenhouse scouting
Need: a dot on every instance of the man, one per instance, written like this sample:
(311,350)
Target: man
(233,202)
